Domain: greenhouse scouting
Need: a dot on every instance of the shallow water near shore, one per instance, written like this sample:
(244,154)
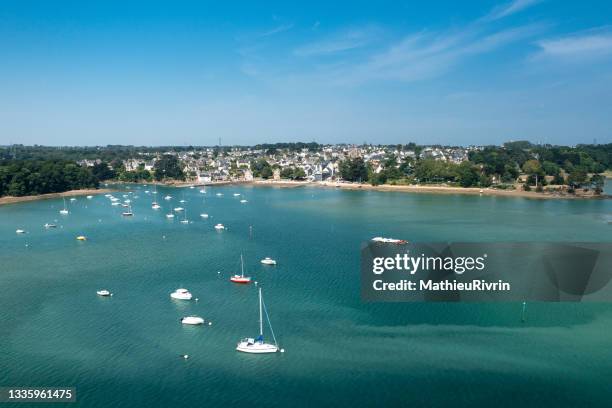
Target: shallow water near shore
(124,351)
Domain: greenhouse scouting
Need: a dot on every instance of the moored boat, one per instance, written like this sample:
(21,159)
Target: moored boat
(181,294)
(258,345)
(268,261)
(193,320)
(389,240)
(241,278)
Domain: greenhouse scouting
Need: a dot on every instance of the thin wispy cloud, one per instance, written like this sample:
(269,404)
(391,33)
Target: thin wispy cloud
(586,44)
(277,30)
(508,9)
(345,41)
(427,55)
(416,56)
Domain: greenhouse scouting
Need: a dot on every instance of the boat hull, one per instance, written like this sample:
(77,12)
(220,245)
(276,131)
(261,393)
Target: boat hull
(240,279)
(180,296)
(256,348)
(192,320)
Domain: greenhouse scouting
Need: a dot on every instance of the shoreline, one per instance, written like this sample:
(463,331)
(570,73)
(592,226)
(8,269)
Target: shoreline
(70,193)
(423,189)
(427,189)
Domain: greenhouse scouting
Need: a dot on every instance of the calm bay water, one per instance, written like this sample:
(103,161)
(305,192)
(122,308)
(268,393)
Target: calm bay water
(124,351)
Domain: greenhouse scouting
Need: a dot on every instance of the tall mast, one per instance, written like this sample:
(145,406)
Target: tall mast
(260,315)
(241,266)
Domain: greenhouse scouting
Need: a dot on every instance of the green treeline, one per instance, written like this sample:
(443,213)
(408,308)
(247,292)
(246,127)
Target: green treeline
(36,176)
(576,167)
(31,177)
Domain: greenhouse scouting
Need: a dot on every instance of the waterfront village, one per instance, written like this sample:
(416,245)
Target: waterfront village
(213,164)
(514,166)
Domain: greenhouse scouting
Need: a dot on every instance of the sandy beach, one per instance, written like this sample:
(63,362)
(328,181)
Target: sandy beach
(71,193)
(429,189)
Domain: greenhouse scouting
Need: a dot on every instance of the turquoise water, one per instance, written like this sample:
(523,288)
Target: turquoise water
(124,351)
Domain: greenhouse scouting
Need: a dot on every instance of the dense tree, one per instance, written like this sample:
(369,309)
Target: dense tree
(102,172)
(430,170)
(468,174)
(168,167)
(577,177)
(261,168)
(533,168)
(354,170)
(597,183)
(31,177)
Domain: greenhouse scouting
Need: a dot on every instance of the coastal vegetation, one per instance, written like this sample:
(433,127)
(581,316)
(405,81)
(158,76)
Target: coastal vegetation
(577,167)
(32,177)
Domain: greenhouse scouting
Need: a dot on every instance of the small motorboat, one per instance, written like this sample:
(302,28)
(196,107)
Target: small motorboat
(243,201)
(219,194)
(168,197)
(127,214)
(125,205)
(181,294)
(155,206)
(170,215)
(192,320)
(127,201)
(114,203)
(73,199)
(268,261)
(203,191)
(389,240)
(236,194)
(113,199)
(20,231)
(204,215)
(179,209)
(107,195)
(182,201)
(47,226)
(219,227)
(184,221)
(89,197)
(104,292)
(81,238)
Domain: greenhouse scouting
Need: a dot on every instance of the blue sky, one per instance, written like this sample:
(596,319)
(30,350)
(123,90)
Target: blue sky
(191,72)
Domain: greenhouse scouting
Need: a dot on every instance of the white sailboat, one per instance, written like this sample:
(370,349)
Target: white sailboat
(185,220)
(258,345)
(154,204)
(128,213)
(64,211)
